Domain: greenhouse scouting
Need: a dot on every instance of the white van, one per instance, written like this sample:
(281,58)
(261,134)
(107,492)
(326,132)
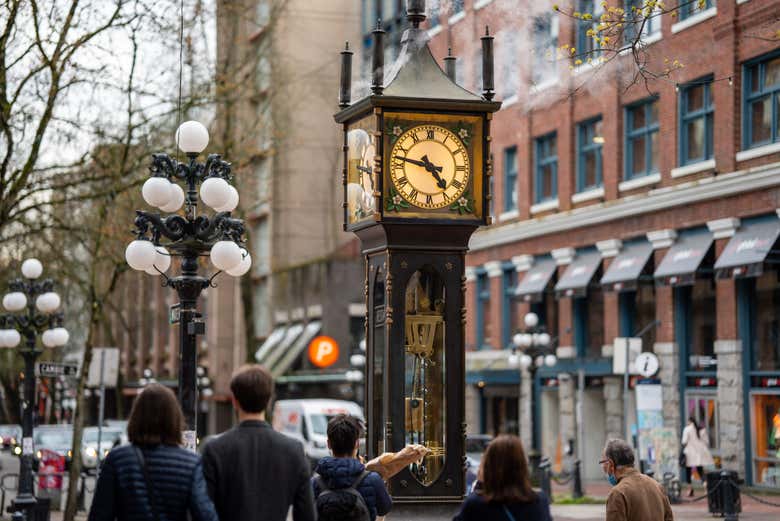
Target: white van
(307,422)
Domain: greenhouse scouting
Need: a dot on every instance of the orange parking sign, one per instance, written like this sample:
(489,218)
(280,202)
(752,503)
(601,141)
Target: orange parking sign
(323,351)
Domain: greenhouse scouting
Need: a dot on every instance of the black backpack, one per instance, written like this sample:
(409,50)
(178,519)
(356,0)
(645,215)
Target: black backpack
(342,504)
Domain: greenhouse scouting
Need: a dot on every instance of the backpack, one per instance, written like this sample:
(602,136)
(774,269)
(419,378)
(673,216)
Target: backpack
(342,504)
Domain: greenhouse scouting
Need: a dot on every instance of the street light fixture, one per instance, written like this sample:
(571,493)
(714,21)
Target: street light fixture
(33,313)
(532,349)
(189,236)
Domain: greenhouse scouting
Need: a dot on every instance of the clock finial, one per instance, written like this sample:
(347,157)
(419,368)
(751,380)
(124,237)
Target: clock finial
(415,12)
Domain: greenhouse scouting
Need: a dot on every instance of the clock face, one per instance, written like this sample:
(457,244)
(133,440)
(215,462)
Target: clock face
(429,166)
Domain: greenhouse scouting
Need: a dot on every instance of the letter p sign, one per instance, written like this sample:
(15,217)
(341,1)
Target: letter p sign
(323,351)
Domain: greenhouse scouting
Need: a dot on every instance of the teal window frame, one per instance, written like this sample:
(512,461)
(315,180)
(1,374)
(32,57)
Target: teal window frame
(510,178)
(544,66)
(690,8)
(632,134)
(761,93)
(458,6)
(543,157)
(508,285)
(586,45)
(482,296)
(586,146)
(687,116)
(652,23)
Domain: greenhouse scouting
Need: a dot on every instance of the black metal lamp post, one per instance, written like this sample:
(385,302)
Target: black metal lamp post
(204,393)
(532,348)
(189,237)
(33,313)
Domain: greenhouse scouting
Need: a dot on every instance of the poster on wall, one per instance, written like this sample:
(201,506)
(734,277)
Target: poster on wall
(665,451)
(649,414)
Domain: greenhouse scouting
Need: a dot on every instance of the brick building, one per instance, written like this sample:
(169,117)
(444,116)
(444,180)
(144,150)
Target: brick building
(638,202)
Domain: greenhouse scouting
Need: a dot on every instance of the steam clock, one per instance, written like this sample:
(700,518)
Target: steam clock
(416,171)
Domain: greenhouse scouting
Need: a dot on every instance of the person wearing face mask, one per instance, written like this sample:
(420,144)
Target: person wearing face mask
(634,496)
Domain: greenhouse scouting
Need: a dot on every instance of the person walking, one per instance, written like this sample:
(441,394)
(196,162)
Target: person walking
(153,478)
(696,449)
(503,491)
(634,496)
(253,472)
(340,476)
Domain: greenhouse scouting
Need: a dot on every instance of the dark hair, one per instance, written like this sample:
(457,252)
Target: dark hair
(343,433)
(504,472)
(620,452)
(695,424)
(252,386)
(156,418)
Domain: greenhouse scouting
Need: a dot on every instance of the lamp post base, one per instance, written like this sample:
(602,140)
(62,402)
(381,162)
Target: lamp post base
(424,511)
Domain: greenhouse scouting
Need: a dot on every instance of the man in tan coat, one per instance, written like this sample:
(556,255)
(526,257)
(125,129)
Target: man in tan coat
(634,496)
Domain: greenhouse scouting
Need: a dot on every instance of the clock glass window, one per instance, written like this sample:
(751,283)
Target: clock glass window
(361,143)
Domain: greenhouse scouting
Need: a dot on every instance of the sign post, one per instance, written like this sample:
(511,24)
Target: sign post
(103,372)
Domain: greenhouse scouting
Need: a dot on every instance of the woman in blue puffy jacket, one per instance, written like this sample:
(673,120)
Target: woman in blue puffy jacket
(153,478)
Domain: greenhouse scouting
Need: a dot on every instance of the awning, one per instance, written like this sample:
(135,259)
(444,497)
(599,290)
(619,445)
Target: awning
(292,333)
(532,287)
(575,280)
(270,343)
(684,258)
(625,269)
(749,248)
(311,330)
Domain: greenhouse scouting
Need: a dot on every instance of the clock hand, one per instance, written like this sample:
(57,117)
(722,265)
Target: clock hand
(434,170)
(364,169)
(412,161)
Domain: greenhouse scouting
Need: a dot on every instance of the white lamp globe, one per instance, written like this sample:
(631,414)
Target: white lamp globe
(156,191)
(47,302)
(225,255)
(49,338)
(525,361)
(522,340)
(176,199)
(162,259)
(61,336)
(207,393)
(531,319)
(140,255)
(539,361)
(192,137)
(513,360)
(32,268)
(535,339)
(357,360)
(243,266)
(215,192)
(11,338)
(14,301)
(544,339)
(232,201)
(362,344)
(550,360)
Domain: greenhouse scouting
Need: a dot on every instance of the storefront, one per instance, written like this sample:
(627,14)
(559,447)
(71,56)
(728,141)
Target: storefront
(580,283)
(752,258)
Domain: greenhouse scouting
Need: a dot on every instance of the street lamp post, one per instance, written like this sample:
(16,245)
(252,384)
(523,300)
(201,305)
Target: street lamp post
(32,307)
(532,348)
(204,393)
(189,237)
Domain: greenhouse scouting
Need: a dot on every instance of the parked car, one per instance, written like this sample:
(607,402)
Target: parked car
(110,437)
(476,445)
(10,436)
(307,421)
(57,438)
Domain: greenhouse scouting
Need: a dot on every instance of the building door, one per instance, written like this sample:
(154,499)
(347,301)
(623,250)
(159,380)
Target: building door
(594,417)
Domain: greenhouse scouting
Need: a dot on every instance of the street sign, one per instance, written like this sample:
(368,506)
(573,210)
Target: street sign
(623,346)
(56,369)
(647,364)
(110,356)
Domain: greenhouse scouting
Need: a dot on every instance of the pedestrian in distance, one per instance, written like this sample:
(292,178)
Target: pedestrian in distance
(634,496)
(343,488)
(153,478)
(696,451)
(503,491)
(253,472)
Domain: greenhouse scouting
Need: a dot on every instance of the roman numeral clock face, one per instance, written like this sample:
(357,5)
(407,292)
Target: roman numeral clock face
(429,166)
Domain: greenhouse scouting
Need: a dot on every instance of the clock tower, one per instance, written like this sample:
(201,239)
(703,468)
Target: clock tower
(416,177)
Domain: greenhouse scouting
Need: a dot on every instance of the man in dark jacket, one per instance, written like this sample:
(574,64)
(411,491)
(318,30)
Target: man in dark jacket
(252,471)
(341,470)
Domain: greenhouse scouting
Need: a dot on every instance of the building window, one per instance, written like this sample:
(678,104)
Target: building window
(637,312)
(762,101)
(589,324)
(483,310)
(508,82)
(642,138)
(696,122)
(545,41)
(766,439)
(638,15)
(695,323)
(509,304)
(457,6)
(589,143)
(510,179)
(546,168)
(587,46)
(765,340)
(703,407)
(688,9)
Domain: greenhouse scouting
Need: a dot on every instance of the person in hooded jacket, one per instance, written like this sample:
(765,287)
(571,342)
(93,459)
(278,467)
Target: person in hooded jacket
(343,468)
